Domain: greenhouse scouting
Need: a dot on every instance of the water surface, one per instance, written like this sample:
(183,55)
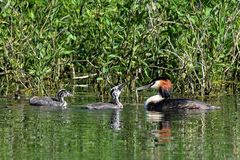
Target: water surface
(132,133)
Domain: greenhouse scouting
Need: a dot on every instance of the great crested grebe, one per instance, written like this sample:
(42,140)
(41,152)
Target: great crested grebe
(162,102)
(57,101)
(115,104)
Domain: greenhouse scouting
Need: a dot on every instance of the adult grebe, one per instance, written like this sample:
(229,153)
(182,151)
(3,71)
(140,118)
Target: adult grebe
(57,101)
(115,104)
(162,102)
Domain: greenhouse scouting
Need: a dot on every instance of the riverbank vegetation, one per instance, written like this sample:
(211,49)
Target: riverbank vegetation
(195,43)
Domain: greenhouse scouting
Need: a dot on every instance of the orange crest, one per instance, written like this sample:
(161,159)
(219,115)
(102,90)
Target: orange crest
(166,84)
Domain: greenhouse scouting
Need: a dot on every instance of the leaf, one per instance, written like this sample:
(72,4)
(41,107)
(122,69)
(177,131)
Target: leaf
(99,79)
(208,11)
(31,15)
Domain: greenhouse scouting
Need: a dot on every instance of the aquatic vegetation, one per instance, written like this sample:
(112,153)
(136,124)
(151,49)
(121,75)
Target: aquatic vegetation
(195,43)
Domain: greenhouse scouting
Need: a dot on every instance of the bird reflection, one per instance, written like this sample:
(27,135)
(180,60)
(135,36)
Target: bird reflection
(115,120)
(165,131)
(162,132)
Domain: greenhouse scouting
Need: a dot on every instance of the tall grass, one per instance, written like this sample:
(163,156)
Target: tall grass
(195,43)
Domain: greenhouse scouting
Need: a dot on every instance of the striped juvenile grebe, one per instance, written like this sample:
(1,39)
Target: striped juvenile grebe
(162,102)
(115,104)
(57,101)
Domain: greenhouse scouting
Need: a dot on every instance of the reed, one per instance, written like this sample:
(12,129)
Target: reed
(195,43)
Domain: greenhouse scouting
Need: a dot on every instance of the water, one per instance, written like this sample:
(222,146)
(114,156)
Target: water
(132,133)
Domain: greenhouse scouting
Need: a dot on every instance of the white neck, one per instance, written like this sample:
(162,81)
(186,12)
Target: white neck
(154,99)
(64,103)
(61,99)
(119,103)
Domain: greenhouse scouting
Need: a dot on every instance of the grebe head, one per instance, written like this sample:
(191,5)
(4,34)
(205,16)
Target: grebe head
(63,93)
(115,93)
(162,84)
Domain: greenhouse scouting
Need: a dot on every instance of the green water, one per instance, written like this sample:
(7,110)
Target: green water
(132,133)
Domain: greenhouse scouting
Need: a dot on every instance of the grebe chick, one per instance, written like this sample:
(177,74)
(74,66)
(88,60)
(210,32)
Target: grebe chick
(115,104)
(162,102)
(57,101)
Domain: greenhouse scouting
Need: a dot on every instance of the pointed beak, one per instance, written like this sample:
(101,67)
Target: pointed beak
(144,87)
(69,94)
(121,86)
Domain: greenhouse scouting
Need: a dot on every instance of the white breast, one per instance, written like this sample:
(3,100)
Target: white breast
(154,99)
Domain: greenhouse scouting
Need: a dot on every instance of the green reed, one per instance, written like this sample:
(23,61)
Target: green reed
(195,43)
